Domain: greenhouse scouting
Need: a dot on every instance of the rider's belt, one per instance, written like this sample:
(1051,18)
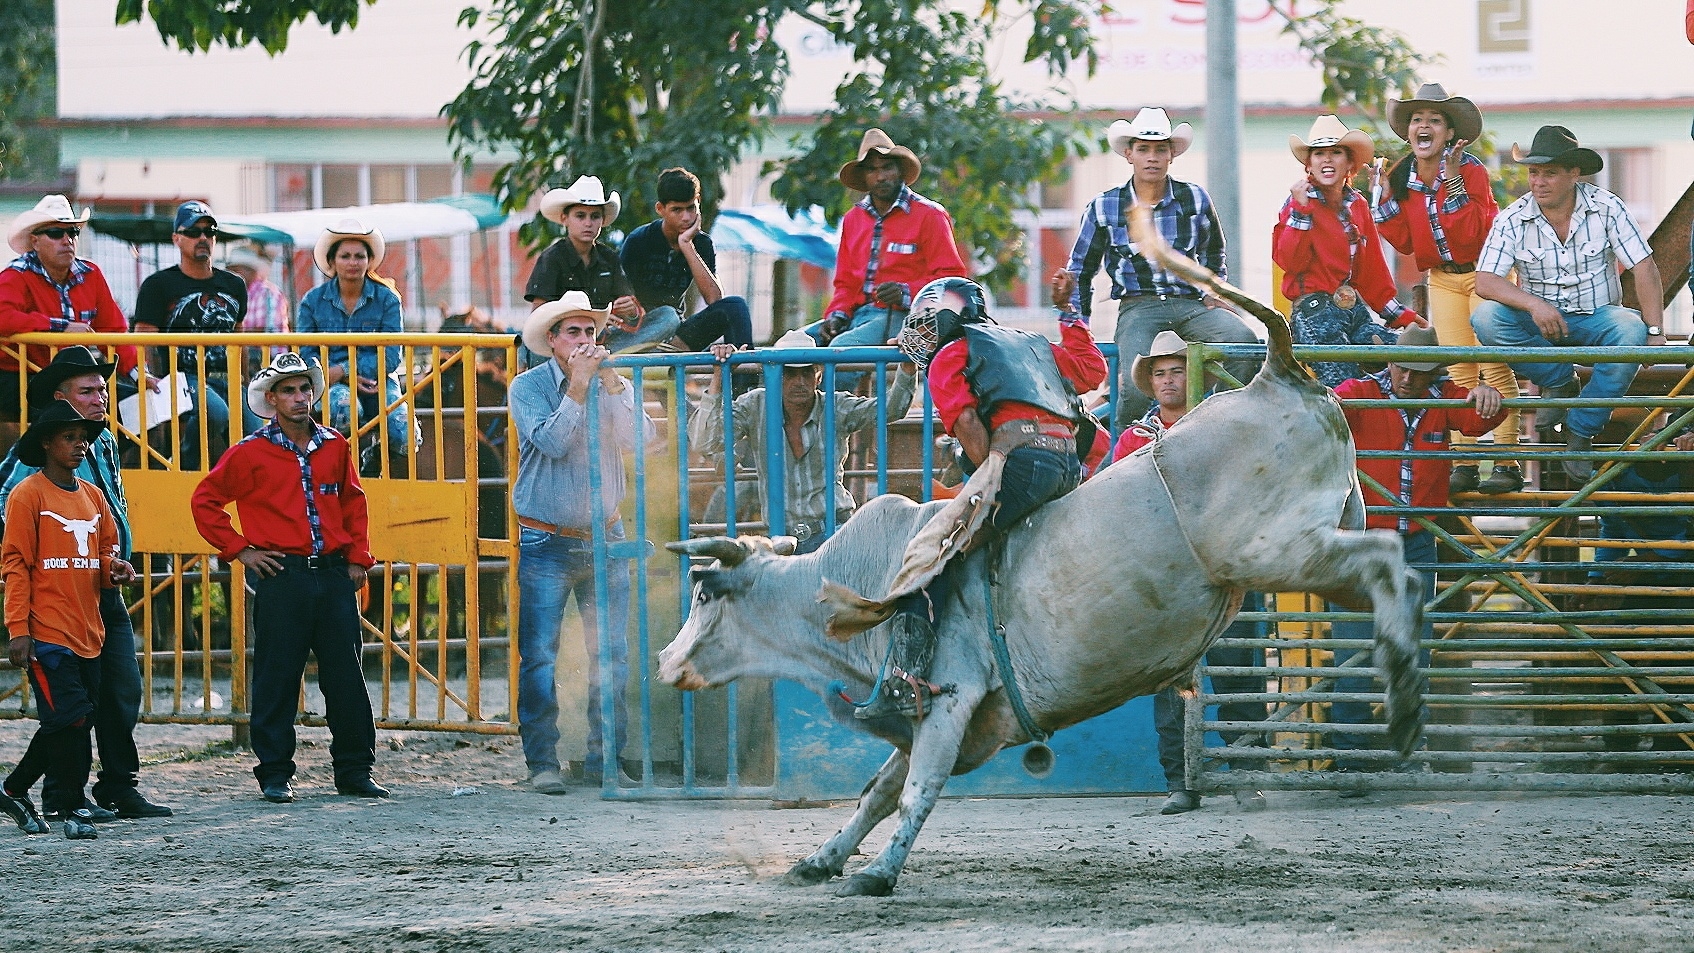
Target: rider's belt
(1162,296)
(552,530)
(1015,434)
(1454,268)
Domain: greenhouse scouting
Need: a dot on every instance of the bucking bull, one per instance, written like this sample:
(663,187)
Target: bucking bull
(1108,593)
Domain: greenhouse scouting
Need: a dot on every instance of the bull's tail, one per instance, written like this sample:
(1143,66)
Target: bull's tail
(1280,357)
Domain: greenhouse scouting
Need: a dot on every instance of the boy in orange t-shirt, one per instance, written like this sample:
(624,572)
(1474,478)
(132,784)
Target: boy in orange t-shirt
(59,551)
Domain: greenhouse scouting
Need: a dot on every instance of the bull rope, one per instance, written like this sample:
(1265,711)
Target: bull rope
(1003,659)
(1176,512)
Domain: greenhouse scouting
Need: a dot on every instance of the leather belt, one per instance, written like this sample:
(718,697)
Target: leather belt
(552,530)
(1016,434)
(1161,296)
(1455,268)
(805,531)
(292,562)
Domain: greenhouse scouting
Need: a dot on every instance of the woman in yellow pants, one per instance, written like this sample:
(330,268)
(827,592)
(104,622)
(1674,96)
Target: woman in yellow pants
(1438,207)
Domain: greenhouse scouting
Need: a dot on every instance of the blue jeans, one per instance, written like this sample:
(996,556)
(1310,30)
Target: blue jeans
(1168,707)
(873,326)
(216,411)
(728,318)
(1419,548)
(1142,317)
(1317,320)
(1611,326)
(551,569)
(402,437)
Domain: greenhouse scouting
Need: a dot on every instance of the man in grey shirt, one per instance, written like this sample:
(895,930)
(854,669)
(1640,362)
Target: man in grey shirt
(810,490)
(552,496)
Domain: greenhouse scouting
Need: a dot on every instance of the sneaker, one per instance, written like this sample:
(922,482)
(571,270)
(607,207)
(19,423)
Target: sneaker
(1464,480)
(1504,478)
(80,825)
(129,803)
(1180,802)
(1579,470)
(22,812)
(548,781)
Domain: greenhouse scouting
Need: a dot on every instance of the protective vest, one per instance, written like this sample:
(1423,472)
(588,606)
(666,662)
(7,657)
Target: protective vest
(1008,364)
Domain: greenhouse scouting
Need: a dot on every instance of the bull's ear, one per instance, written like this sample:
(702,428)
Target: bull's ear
(784,545)
(728,551)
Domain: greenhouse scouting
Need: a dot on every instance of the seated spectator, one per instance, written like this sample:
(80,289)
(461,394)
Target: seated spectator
(356,300)
(810,492)
(580,261)
(1326,243)
(662,259)
(267,308)
(1648,476)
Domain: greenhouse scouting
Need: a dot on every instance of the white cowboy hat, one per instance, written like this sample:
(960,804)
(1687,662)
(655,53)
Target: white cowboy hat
(1329,131)
(349,228)
(586,190)
(547,316)
(796,339)
(286,365)
(1154,125)
(53,208)
(246,256)
(877,141)
(1167,344)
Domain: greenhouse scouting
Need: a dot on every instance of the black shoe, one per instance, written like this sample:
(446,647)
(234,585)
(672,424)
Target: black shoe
(277,792)
(129,803)
(1464,480)
(22,812)
(96,814)
(1504,478)
(80,825)
(360,787)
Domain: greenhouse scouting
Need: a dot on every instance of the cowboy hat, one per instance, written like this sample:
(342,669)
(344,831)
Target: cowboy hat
(547,316)
(877,141)
(1328,131)
(1152,124)
(1418,337)
(73,361)
(286,365)
(586,190)
(50,210)
(246,256)
(349,228)
(1167,344)
(56,417)
(1461,113)
(1556,145)
(796,339)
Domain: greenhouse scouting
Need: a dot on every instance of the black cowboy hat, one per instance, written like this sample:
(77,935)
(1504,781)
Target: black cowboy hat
(1461,113)
(58,416)
(73,361)
(1556,145)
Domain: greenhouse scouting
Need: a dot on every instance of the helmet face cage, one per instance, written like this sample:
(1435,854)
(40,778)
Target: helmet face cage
(921,336)
(939,309)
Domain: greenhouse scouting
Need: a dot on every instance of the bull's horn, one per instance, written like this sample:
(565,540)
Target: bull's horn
(726,550)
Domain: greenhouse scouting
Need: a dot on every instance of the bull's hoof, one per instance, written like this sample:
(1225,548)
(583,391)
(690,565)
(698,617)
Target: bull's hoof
(808,874)
(866,885)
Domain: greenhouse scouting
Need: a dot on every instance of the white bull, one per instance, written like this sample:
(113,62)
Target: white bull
(1108,593)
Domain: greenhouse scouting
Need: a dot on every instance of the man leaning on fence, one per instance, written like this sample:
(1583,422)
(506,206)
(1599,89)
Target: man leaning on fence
(1565,240)
(810,490)
(553,500)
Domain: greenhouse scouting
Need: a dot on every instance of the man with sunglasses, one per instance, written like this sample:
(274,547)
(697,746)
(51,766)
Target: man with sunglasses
(48,288)
(194,297)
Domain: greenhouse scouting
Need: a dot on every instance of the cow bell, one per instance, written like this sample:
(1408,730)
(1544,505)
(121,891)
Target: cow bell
(1038,760)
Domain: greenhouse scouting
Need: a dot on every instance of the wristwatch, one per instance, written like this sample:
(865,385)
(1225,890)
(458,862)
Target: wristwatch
(1655,331)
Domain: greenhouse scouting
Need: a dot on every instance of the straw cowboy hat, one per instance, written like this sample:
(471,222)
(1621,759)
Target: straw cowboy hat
(58,416)
(1328,131)
(546,317)
(586,190)
(1167,344)
(73,361)
(877,141)
(349,228)
(1151,124)
(50,210)
(1461,113)
(286,365)
(1556,145)
(1418,337)
(246,256)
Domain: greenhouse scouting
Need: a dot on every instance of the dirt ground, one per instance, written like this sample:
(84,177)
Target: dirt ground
(498,868)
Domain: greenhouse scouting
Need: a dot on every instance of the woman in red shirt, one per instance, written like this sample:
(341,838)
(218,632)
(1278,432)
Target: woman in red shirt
(1438,209)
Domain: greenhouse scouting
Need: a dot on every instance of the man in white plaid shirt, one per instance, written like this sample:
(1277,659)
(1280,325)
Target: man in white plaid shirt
(1565,239)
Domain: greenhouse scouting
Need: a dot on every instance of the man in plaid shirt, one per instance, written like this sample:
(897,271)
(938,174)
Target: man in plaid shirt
(1150,299)
(1565,239)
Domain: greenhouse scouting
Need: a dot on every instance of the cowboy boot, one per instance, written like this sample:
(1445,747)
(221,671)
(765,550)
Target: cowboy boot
(905,687)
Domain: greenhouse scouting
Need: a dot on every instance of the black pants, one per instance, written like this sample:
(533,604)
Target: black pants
(117,705)
(304,611)
(65,687)
(1168,707)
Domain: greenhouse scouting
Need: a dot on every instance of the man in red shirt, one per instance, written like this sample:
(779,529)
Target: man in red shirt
(48,288)
(995,389)
(303,541)
(1414,482)
(893,242)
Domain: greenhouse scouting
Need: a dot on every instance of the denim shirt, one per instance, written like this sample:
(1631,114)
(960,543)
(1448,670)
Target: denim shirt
(321,312)
(553,463)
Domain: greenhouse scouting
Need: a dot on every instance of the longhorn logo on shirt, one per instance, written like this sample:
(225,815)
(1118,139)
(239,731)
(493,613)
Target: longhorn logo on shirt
(81,529)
